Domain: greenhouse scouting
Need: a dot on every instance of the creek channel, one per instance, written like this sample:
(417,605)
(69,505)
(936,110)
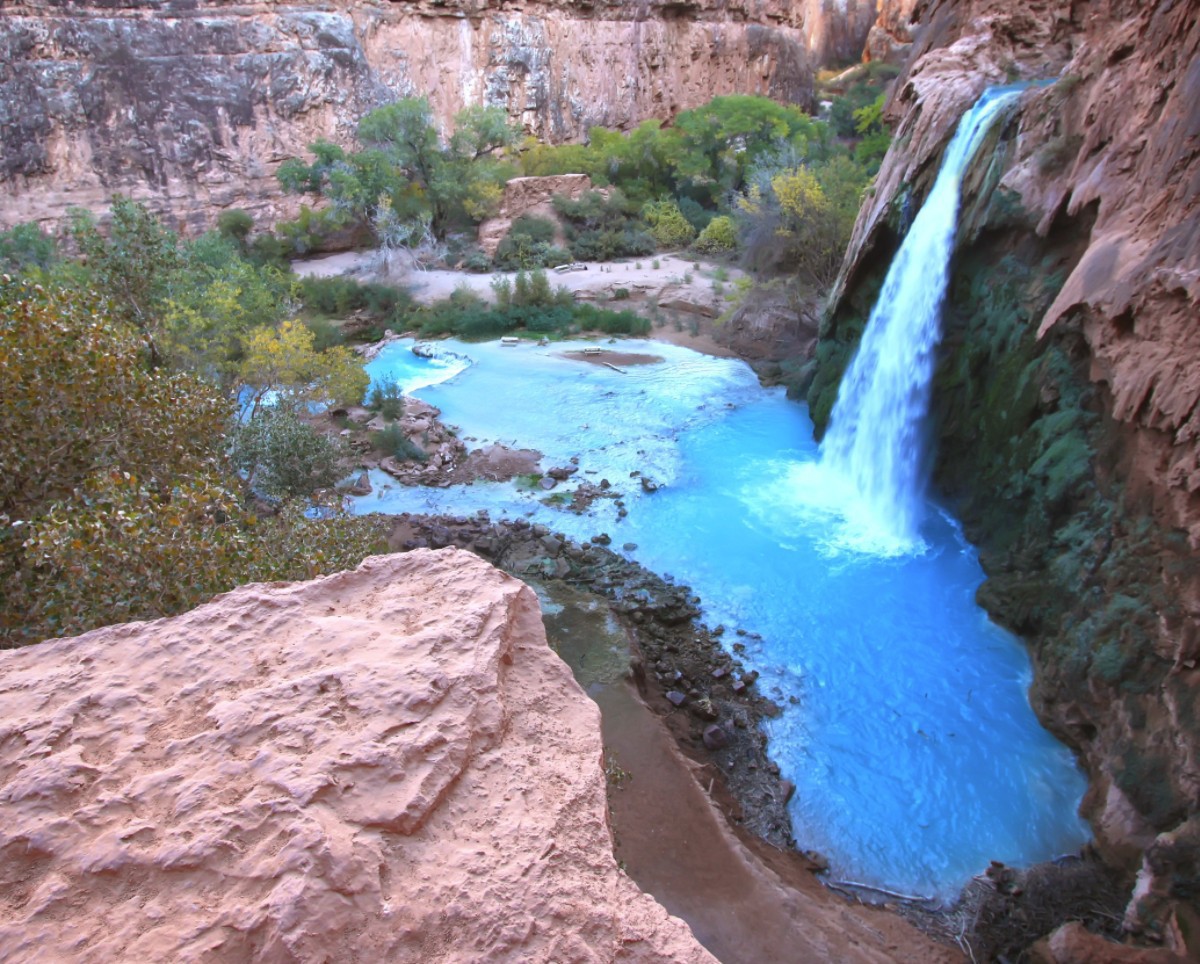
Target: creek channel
(906,726)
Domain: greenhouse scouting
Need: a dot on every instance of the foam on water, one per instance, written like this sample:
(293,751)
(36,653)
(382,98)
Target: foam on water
(875,442)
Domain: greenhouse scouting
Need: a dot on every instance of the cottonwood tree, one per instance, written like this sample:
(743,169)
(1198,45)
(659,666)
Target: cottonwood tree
(117,501)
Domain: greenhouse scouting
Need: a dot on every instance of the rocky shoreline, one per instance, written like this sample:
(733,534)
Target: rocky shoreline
(706,697)
(708,700)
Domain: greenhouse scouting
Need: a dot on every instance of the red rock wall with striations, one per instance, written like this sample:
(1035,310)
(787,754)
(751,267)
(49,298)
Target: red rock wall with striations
(193,106)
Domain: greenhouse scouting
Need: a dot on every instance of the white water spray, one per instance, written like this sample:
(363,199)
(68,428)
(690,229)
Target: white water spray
(874,440)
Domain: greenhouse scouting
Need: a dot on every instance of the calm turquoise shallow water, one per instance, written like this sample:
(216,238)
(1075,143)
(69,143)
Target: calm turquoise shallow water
(906,729)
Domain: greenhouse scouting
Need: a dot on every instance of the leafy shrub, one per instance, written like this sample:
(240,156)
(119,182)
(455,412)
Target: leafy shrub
(340,297)
(283,456)
(532,227)
(25,246)
(477,262)
(668,226)
(697,215)
(719,236)
(589,317)
(393,442)
(386,398)
(325,334)
(235,224)
(131,515)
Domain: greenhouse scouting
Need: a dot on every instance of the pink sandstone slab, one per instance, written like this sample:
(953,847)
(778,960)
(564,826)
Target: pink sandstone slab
(388,764)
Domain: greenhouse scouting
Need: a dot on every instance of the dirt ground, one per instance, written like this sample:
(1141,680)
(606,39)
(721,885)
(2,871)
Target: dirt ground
(695,291)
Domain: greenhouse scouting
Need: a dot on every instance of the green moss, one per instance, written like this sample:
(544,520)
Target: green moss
(1142,776)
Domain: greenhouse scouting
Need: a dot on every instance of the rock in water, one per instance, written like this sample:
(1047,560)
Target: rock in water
(388,764)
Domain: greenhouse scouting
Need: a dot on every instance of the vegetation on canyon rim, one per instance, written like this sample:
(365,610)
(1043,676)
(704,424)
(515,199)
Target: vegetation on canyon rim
(782,187)
(172,480)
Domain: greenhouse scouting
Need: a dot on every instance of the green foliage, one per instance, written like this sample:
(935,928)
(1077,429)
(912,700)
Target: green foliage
(325,333)
(130,510)
(235,224)
(857,104)
(719,236)
(669,228)
(341,297)
(24,248)
(721,141)
(215,299)
(529,244)
(386,398)
(528,303)
(133,266)
(532,227)
(392,441)
(284,362)
(800,216)
(281,456)
(477,262)
(697,216)
(601,228)
(404,182)
(872,149)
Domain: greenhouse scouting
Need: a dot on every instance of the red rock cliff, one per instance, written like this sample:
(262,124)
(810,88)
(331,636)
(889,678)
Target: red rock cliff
(1079,266)
(192,105)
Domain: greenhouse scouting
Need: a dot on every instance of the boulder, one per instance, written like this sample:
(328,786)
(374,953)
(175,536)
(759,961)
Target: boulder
(388,764)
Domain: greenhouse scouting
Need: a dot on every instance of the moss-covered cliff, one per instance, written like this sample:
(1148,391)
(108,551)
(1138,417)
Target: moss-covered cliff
(1067,399)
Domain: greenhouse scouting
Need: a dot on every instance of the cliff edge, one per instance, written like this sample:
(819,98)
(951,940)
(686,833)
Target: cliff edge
(384,764)
(1067,394)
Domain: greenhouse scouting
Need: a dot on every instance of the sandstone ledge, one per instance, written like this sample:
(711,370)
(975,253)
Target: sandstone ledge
(385,764)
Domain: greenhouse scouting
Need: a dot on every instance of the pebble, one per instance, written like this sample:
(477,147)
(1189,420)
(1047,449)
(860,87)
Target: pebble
(675,697)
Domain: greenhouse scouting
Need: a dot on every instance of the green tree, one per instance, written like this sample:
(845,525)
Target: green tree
(132,266)
(26,247)
(282,456)
(116,502)
(668,226)
(283,362)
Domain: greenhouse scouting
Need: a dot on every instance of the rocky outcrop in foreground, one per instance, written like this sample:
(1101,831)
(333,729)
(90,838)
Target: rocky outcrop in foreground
(384,764)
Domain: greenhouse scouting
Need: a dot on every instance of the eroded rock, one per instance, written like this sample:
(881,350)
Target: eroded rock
(385,764)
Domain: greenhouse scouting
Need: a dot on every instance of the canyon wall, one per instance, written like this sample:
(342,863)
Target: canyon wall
(388,764)
(191,105)
(1067,401)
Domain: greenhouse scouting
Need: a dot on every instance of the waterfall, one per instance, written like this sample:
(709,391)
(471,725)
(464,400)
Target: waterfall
(874,442)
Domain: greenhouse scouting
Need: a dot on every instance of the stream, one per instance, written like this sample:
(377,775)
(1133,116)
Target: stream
(906,725)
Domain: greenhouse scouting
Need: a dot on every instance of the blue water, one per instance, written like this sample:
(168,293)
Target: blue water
(906,726)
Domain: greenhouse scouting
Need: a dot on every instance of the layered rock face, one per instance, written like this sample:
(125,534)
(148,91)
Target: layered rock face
(1068,392)
(385,764)
(192,105)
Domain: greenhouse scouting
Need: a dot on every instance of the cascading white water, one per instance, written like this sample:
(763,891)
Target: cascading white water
(874,440)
